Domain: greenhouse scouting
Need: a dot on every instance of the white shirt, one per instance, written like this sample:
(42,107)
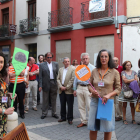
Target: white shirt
(64,75)
(26,73)
(51,70)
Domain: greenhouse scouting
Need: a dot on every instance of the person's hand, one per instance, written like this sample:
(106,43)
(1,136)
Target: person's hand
(9,111)
(74,93)
(27,86)
(22,73)
(31,73)
(40,89)
(63,88)
(105,98)
(94,93)
(11,94)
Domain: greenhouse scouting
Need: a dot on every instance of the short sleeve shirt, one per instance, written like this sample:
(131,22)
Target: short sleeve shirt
(32,68)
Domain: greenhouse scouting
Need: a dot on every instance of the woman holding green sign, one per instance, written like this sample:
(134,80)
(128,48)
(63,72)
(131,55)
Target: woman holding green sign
(106,81)
(4,110)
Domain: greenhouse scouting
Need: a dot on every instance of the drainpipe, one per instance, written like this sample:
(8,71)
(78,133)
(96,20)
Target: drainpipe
(116,22)
(13,13)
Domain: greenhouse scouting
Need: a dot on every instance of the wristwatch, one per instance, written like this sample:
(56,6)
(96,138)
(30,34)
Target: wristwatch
(33,73)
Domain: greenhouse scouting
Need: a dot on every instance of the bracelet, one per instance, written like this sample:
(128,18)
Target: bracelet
(3,110)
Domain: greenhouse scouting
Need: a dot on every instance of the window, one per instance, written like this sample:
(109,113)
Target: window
(5,15)
(32,9)
(33,51)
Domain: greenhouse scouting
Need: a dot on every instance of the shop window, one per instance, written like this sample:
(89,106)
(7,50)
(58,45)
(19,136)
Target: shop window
(33,51)
(5,15)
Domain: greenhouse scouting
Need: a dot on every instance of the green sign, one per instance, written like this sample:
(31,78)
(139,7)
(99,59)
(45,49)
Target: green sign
(19,62)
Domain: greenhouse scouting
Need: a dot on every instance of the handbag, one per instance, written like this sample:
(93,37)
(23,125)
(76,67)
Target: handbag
(128,94)
(137,108)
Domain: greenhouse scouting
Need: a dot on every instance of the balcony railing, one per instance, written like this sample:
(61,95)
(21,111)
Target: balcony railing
(85,15)
(3,1)
(4,30)
(7,31)
(60,17)
(29,26)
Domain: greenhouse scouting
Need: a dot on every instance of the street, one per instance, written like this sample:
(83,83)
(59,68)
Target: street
(50,129)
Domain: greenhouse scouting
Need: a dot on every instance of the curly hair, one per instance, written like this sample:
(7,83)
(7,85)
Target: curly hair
(124,64)
(3,72)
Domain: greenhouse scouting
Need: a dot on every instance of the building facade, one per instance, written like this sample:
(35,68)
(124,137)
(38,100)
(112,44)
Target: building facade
(32,24)
(74,30)
(7,27)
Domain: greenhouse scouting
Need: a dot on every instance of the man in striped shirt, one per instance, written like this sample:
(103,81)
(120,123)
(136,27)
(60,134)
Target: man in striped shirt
(20,89)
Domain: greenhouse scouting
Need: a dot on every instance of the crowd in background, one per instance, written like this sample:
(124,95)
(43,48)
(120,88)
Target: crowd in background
(110,80)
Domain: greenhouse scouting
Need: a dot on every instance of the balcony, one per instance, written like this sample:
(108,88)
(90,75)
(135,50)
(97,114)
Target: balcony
(98,18)
(60,20)
(3,1)
(29,27)
(6,31)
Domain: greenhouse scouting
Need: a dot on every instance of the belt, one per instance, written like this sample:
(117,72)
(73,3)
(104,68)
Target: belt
(82,85)
(32,80)
(51,79)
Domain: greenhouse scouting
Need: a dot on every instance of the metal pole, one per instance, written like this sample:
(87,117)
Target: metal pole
(13,13)
(116,22)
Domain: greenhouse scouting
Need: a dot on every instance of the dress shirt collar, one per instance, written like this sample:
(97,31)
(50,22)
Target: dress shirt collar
(49,63)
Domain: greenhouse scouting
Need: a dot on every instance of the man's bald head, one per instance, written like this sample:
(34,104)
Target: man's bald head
(31,60)
(116,61)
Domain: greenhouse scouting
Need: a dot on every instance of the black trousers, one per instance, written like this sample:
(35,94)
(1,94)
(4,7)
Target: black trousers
(20,91)
(38,94)
(69,99)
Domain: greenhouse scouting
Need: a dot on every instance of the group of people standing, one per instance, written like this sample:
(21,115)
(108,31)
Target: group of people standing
(110,81)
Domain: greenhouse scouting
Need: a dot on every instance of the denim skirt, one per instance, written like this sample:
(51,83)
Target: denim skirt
(96,124)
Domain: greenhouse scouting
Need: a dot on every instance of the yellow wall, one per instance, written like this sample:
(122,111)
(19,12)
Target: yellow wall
(133,8)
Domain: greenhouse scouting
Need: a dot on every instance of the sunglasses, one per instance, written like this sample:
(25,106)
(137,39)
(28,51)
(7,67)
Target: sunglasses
(49,57)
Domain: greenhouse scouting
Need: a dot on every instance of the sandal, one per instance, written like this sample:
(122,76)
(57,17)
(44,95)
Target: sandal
(125,122)
(133,122)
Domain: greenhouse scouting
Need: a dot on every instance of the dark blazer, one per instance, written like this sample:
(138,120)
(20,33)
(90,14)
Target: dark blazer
(44,75)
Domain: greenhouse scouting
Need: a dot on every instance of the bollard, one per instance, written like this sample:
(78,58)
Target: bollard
(12,121)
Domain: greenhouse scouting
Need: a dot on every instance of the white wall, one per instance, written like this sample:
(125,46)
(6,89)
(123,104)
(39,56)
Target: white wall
(131,44)
(43,39)
(42,9)
(43,43)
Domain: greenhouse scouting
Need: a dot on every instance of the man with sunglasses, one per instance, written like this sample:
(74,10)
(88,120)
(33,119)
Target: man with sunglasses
(48,72)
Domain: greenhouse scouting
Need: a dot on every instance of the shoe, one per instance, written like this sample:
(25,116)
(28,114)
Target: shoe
(25,112)
(81,125)
(61,120)
(118,118)
(70,122)
(26,109)
(22,116)
(43,116)
(34,108)
(55,116)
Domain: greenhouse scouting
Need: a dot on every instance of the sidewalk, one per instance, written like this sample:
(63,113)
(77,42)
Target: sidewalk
(50,129)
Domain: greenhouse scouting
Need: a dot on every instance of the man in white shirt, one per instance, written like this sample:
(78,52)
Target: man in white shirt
(48,83)
(81,91)
(65,80)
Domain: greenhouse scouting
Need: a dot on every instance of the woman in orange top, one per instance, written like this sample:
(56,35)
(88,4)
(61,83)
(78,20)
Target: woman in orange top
(4,110)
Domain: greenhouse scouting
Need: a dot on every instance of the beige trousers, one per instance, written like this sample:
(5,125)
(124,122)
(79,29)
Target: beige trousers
(118,107)
(83,97)
(33,89)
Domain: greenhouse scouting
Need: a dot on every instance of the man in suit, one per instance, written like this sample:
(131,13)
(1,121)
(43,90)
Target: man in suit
(65,80)
(48,83)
